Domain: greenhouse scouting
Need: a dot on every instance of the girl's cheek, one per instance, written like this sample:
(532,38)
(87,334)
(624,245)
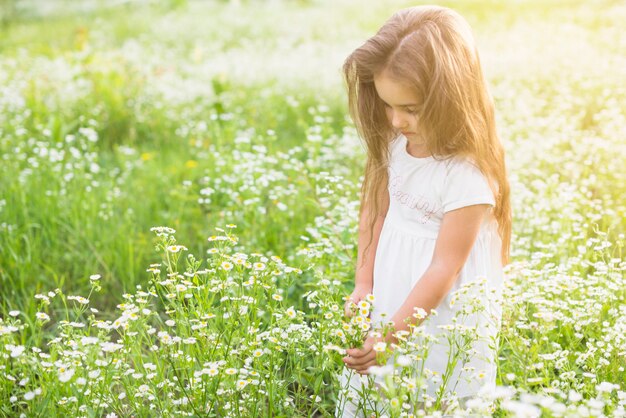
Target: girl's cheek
(389,113)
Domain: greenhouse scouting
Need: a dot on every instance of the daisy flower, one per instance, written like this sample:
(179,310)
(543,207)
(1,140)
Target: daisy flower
(176,248)
(380,346)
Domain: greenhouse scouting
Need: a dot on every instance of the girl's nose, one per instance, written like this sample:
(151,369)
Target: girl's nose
(397,121)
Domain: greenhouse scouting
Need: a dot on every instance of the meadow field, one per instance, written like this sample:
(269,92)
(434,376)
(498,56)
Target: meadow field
(179,192)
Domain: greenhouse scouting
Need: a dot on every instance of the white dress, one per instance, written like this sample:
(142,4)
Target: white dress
(421,190)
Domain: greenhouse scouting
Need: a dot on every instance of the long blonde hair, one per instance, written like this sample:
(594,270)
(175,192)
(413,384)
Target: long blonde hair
(432,50)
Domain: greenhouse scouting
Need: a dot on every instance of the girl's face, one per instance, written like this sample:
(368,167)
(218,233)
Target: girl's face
(401,105)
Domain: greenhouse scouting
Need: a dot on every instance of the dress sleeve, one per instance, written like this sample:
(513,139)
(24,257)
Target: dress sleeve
(464,186)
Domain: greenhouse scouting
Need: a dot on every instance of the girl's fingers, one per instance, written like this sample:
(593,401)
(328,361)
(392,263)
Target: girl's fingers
(354,361)
(364,369)
(354,353)
(346,307)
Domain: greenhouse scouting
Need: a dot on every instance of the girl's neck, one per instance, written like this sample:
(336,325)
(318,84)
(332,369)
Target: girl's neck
(417,148)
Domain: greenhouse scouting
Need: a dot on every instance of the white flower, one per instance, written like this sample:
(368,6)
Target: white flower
(14,313)
(163,230)
(380,346)
(42,297)
(364,304)
(291,313)
(16,351)
(93,374)
(89,340)
(606,387)
(176,248)
(79,299)
(29,396)
(574,396)
(110,347)
(334,347)
(595,404)
(165,338)
(403,361)
(65,374)
(380,370)
(521,409)
(500,392)
(170,322)
(94,277)
(42,316)
(420,313)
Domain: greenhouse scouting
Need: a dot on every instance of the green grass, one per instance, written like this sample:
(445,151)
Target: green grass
(198,115)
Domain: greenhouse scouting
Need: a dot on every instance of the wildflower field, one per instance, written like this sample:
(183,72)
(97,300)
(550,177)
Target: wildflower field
(179,197)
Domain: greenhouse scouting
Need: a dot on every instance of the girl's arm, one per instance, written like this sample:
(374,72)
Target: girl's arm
(364,277)
(459,229)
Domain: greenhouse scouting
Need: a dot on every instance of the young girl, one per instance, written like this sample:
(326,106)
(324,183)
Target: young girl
(435,210)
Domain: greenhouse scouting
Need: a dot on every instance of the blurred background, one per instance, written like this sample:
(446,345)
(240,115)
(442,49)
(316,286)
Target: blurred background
(116,116)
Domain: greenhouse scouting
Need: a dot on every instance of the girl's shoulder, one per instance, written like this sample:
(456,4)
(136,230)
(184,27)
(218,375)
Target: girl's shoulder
(465,184)
(460,164)
(463,170)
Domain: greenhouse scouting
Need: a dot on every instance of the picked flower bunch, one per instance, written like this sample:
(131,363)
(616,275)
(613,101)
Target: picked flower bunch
(356,326)
(358,323)
(352,329)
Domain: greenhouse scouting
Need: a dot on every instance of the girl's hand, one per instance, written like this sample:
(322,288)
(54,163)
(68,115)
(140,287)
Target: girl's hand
(357,295)
(360,359)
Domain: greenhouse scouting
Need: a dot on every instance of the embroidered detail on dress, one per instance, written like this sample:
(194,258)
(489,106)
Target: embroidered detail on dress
(419,203)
